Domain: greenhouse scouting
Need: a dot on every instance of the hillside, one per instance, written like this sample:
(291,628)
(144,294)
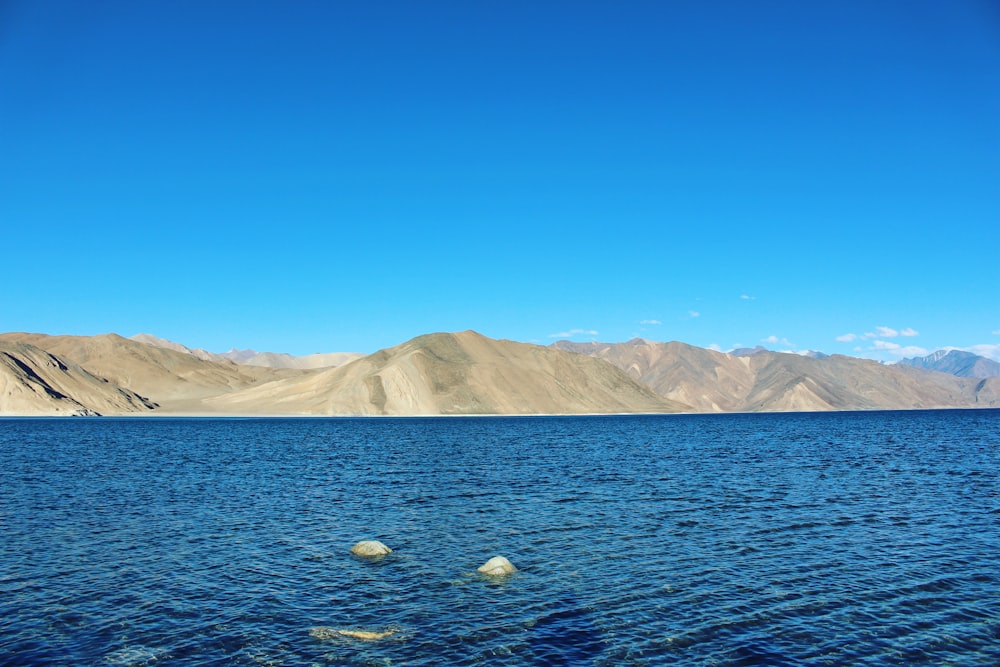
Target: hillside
(461,373)
(36,382)
(766,381)
(284,360)
(175,380)
(707,380)
(254,358)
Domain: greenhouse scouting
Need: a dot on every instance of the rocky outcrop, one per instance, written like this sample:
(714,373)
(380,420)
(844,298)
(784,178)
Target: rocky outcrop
(324,633)
(497,566)
(370,549)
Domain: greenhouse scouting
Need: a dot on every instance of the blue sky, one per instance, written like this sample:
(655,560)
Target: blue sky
(332,176)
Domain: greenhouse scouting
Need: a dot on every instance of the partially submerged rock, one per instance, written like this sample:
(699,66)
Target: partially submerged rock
(369,548)
(497,566)
(364,635)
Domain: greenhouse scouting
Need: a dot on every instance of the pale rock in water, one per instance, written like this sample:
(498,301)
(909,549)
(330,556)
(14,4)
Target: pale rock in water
(497,566)
(370,548)
(323,633)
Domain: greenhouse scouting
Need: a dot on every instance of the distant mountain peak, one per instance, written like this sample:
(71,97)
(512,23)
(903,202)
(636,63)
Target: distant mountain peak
(955,362)
(240,356)
(748,351)
(150,339)
(250,357)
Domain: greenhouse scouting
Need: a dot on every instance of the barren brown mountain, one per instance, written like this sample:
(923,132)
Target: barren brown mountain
(36,382)
(175,380)
(461,373)
(252,358)
(713,381)
(456,373)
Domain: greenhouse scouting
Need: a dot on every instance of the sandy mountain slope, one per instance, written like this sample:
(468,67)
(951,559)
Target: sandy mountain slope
(307,362)
(460,373)
(175,380)
(36,382)
(253,358)
(787,382)
(771,381)
(707,380)
(150,339)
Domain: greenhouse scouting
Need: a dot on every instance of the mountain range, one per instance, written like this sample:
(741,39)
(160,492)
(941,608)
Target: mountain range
(956,362)
(254,358)
(454,374)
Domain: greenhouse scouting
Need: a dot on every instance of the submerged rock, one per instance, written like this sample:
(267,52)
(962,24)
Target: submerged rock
(497,566)
(369,548)
(365,635)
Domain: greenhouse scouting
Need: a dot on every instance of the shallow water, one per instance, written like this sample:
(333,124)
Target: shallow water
(846,538)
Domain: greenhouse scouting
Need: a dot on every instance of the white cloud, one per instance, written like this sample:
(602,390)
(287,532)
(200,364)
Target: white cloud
(651,322)
(989,350)
(772,340)
(747,297)
(573,332)
(997,332)
(694,313)
(715,346)
(911,351)
(896,350)
(882,332)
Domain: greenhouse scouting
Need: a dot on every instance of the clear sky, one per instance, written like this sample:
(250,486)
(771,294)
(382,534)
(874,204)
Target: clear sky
(342,176)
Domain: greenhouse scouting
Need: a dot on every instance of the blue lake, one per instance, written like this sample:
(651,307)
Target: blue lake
(771,539)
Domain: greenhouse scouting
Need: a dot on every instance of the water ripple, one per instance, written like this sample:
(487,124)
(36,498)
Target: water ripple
(864,538)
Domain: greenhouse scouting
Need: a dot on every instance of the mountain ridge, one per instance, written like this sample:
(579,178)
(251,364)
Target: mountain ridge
(461,373)
(254,358)
(765,381)
(464,373)
(955,362)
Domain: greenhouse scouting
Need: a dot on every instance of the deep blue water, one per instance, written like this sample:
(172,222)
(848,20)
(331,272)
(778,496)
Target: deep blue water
(791,539)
